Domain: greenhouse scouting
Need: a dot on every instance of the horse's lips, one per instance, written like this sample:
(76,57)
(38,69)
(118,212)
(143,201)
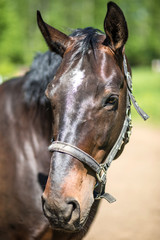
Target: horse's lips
(66,227)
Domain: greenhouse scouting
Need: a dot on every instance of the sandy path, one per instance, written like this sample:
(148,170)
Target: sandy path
(134,179)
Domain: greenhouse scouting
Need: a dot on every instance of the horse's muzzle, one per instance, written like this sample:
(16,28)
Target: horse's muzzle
(62,214)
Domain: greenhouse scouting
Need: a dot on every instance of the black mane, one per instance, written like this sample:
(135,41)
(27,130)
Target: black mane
(45,65)
(42,71)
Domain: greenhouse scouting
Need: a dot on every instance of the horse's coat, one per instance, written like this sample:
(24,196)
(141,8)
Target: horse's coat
(25,131)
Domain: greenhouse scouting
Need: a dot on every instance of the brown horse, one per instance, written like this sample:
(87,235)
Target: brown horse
(87,114)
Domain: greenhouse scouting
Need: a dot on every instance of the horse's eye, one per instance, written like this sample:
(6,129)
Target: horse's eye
(111,102)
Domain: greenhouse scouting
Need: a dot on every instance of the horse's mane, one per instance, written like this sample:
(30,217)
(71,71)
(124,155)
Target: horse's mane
(45,65)
(42,71)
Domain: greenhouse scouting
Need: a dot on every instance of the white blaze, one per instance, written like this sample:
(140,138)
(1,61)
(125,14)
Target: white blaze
(78,77)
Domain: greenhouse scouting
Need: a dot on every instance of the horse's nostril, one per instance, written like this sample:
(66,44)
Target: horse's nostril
(43,200)
(73,210)
(73,203)
(48,211)
(62,213)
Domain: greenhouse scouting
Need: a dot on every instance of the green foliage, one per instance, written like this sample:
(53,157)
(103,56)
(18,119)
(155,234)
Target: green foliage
(20,38)
(7,67)
(11,33)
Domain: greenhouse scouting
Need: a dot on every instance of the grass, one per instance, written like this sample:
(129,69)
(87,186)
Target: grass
(146,89)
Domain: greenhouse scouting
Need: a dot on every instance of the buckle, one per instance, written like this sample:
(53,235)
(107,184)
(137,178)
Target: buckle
(101,175)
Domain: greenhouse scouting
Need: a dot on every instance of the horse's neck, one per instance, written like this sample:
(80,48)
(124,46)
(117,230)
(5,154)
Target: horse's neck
(26,118)
(24,158)
(29,128)
(38,117)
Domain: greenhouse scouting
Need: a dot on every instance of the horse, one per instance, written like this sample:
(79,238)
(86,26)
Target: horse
(75,98)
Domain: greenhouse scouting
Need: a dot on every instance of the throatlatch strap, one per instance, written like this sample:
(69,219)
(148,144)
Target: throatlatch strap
(137,107)
(129,85)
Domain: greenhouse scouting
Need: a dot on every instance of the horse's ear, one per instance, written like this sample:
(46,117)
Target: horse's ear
(56,40)
(115,27)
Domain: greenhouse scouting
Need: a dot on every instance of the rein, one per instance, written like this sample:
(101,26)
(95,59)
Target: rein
(101,169)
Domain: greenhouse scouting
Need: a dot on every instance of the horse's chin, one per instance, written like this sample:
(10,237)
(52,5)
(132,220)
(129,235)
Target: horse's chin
(68,227)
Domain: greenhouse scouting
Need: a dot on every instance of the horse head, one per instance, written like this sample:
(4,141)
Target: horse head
(88,96)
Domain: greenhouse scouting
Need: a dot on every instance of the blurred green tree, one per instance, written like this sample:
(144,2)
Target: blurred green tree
(20,38)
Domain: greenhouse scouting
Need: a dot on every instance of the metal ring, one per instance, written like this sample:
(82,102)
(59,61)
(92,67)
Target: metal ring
(101,175)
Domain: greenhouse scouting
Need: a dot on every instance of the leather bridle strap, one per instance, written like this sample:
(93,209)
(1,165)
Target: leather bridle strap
(75,152)
(129,87)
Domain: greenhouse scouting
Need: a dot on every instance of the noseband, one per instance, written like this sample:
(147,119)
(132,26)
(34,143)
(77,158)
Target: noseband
(101,169)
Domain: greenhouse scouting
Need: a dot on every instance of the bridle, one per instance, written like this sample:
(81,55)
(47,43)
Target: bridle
(101,169)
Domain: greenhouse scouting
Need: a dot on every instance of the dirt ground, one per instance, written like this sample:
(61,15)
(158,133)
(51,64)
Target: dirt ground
(134,179)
